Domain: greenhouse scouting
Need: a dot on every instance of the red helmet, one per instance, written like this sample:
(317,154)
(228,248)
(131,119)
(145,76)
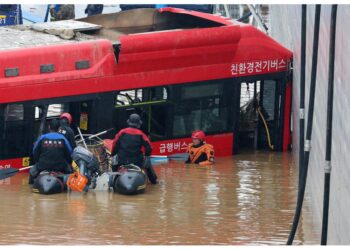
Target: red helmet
(67,116)
(198,134)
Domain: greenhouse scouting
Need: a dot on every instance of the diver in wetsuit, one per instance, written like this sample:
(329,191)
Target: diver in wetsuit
(51,152)
(127,146)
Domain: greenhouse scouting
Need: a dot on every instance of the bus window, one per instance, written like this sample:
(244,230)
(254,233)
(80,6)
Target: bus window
(268,101)
(129,97)
(269,104)
(200,91)
(13,131)
(200,107)
(150,103)
(249,104)
(141,96)
(54,110)
(259,121)
(14,112)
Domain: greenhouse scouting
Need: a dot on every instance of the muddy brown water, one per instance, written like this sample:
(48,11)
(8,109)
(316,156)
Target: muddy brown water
(246,199)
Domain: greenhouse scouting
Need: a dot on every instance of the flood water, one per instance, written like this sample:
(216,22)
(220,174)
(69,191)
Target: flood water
(247,199)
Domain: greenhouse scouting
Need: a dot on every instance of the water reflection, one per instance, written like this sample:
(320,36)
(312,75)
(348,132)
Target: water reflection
(248,199)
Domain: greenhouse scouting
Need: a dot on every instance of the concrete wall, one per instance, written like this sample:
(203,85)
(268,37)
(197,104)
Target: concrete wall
(286,28)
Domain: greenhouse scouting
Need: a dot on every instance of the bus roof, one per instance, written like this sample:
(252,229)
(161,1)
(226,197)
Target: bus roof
(107,26)
(130,49)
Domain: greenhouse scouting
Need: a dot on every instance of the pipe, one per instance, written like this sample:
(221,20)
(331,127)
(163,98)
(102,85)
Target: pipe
(328,168)
(302,89)
(307,146)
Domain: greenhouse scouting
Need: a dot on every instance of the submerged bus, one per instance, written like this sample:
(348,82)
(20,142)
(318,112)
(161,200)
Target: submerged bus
(180,70)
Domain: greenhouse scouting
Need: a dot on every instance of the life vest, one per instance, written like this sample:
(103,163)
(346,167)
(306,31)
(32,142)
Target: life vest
(202,155)
(77,182)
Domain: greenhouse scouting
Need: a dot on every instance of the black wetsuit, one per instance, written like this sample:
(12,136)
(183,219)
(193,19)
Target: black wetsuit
(127,145)
(51,152)
(68,133)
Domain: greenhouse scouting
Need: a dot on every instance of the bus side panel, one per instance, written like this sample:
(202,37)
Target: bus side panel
(14,163)
(222,145)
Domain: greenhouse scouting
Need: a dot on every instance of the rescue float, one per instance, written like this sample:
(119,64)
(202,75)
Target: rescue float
(129,180)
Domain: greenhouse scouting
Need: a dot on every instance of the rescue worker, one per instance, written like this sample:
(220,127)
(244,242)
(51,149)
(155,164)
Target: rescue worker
(66,130)
(127,146)
(62,12)
(200,152)
(51,152)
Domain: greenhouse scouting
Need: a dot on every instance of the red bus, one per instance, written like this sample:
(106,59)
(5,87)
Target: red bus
(180,70)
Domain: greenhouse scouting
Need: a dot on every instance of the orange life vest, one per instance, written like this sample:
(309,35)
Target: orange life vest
(195,153)
(77,182)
